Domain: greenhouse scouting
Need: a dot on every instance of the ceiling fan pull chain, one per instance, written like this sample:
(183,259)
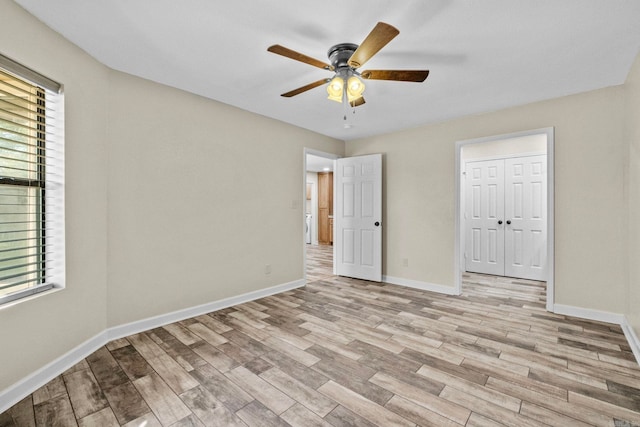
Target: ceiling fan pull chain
(345,103)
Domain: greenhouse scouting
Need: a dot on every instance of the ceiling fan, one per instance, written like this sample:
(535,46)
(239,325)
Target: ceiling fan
(345,58)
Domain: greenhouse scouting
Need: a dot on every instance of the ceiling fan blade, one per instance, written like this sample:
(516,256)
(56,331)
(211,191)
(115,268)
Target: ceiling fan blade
(398,75)
(357,102)
(377,39)
(281,50)
(305,88)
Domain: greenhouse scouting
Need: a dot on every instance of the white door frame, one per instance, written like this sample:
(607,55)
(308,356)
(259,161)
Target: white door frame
(459,233)
(304,198)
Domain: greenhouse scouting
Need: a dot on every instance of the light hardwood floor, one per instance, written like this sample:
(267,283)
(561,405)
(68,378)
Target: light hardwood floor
(345,352)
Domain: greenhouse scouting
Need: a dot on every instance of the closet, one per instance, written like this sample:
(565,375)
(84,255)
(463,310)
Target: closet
(505,217)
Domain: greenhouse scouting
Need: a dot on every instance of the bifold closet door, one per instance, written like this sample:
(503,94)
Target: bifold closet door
(484,211)
(526,210)
(506,217)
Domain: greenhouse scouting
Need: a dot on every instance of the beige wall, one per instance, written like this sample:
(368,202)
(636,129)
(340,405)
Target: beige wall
(590,205)
(172,201)
(201,197)
(35,332)
(632,310)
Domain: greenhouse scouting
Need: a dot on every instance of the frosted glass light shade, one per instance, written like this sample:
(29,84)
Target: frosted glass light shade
(355,88)
(335,89)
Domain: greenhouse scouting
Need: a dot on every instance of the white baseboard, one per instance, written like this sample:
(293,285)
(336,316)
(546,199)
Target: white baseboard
(15,393)
(441,289)
(632,338)
(176,316)
(589,314)
(18,391)
(607,317)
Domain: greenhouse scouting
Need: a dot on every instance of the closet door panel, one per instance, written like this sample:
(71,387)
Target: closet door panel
(525,217)
(484,209)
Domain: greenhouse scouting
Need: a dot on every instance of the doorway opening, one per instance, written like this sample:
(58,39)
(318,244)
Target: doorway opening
(318,248)
(504,209)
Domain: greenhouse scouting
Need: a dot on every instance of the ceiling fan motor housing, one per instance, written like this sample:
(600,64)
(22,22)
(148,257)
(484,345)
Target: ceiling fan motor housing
(339,55)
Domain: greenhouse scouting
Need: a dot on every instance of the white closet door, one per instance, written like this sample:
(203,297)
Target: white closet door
(506,217)
(526,217)
(484,210)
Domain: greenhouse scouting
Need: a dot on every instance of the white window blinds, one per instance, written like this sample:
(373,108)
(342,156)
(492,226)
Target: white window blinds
(31,182)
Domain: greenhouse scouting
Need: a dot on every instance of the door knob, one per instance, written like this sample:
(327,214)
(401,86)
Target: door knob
(500,222)
(377,223)
(508,221)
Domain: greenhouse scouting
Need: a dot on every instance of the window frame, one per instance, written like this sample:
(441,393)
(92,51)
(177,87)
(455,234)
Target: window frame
(48,181)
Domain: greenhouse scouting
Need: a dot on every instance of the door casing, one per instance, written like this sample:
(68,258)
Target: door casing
(459,233)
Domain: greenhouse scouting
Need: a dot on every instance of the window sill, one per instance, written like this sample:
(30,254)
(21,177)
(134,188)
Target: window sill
(30,297)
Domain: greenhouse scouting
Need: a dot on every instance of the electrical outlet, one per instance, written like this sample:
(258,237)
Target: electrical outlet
(405,262)
(267,269)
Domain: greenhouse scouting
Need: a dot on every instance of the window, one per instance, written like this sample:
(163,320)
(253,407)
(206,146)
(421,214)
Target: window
(31,182)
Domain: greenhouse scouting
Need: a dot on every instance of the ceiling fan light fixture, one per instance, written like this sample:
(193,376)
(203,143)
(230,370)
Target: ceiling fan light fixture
(336,89)
(355,88)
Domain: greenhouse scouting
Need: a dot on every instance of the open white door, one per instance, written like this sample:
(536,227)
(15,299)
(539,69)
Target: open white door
(358,217)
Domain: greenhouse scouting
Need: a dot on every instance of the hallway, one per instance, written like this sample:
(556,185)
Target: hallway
(319,262)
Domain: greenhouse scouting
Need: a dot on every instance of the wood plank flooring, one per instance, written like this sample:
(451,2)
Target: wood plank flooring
(344,352)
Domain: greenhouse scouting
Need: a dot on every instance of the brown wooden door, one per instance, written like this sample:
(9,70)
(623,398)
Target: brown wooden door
(325,206)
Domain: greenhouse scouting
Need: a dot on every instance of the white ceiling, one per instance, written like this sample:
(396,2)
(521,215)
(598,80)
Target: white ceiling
(318,164)
(483,55)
